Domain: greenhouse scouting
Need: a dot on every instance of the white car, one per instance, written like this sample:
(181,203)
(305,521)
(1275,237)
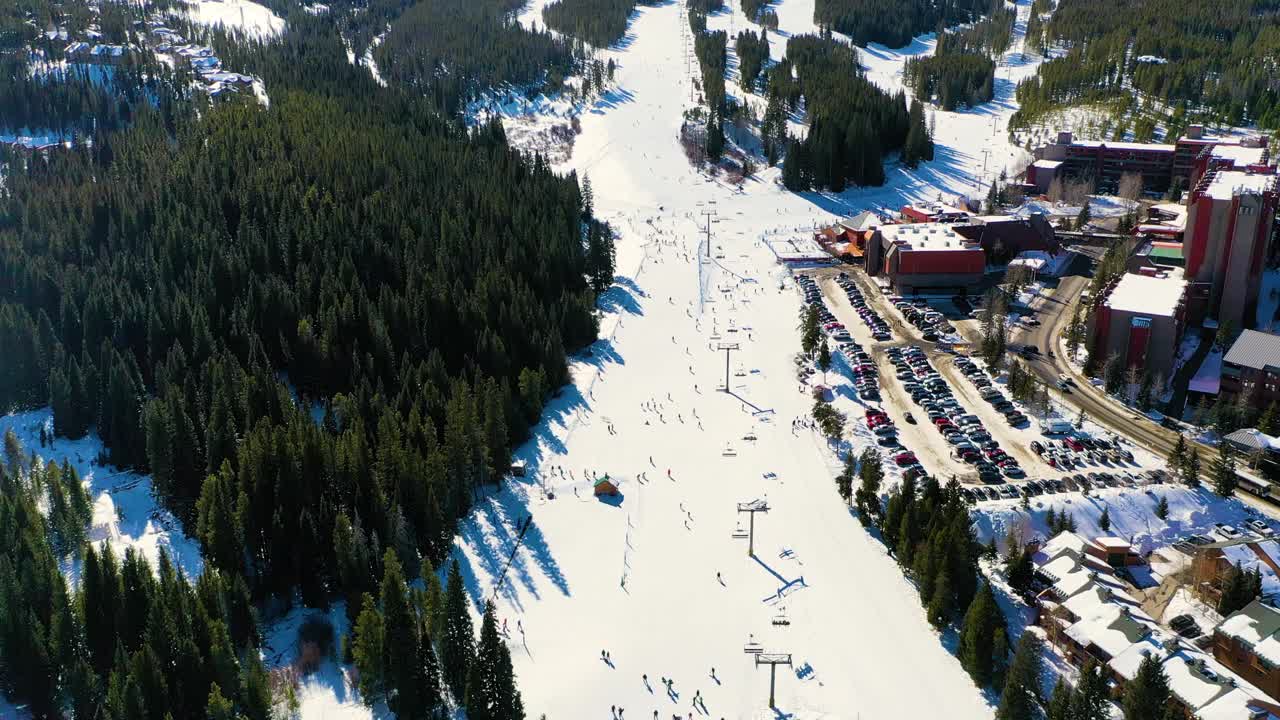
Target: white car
(1227,531)
(1259,527)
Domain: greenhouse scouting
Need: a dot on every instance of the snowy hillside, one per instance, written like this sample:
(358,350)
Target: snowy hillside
(124,512)
(656,576)
(244,15)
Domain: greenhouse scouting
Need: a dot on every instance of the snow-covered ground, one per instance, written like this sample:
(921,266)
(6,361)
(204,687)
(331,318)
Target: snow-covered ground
(125,513)
(244,15)
(656,576)
(1131,512)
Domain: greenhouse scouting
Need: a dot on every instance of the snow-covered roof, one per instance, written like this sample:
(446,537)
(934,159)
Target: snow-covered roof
(1119,145)
(1239,155)
(1226,184)
(1047,164)
(1254,439)
(865,220)
(1237,705)
(1194,677)
(1112,628)
(1148,295)
(1256,625)
(926,236)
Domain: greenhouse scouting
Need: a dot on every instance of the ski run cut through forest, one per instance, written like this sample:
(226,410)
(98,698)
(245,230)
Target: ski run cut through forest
(674,523)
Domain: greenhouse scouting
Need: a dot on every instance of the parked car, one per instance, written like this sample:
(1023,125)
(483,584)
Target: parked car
(1259,527)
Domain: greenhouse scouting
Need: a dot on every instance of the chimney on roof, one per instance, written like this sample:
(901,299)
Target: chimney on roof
(1195,132)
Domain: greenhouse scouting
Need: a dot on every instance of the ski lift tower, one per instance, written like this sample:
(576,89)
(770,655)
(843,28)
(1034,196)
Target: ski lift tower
(727,347)
(773,660)
(751,508)
(709,212)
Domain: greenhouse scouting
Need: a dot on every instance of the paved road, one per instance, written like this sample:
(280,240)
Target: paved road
(1055,314)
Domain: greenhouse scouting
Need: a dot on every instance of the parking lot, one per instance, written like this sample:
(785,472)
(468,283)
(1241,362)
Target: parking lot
(941,412)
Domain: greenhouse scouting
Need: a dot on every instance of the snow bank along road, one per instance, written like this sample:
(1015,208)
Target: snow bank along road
(655,576)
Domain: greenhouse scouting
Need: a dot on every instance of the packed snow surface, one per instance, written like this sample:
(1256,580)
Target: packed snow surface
(655,576)
(244,15)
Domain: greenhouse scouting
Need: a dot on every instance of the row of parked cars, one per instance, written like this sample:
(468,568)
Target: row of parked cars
(886,433)
(860,364)
(978,377)
(970,441)
(1080,450)
(876,324)
(1067,483)
(930,322)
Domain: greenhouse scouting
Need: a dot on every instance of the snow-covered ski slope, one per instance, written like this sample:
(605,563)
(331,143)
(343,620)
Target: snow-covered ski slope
(656,577)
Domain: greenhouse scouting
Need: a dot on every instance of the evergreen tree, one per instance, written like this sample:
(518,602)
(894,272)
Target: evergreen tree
(979,644)
(1178,455)
(1059,707)
(368,653)
(1269,421)
(218,707)
(1224,470)
(491,693)
(457,644)
(1091,700)
(940,608)
(824,358)
(1021,697)
(1104,522)
(400,642)
(1162,508)
(1019,571)
(1191,474)
(871,474)
(810,332)
(1146,696)
(844,481)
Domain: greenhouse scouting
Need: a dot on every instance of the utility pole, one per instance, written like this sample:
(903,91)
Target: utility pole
(985,153)
(751,508)
(773,660)
(727,347)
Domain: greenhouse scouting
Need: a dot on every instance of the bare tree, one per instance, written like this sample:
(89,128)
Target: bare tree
(1077,192)
(1130,187)
(1056,190)
(1132,379)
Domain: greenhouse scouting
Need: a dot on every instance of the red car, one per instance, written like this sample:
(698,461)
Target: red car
(906,458)
(872,412)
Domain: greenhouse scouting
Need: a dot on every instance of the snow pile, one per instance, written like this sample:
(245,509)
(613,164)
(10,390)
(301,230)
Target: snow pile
(1100,206)
(1208,378)
(244,15)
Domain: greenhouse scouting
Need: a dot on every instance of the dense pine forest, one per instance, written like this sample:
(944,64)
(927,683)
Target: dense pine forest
(961,71)
(599,22)
(852,123)
(1208,59)
(177,285)
(893,22)
(753,54)
(426,50)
